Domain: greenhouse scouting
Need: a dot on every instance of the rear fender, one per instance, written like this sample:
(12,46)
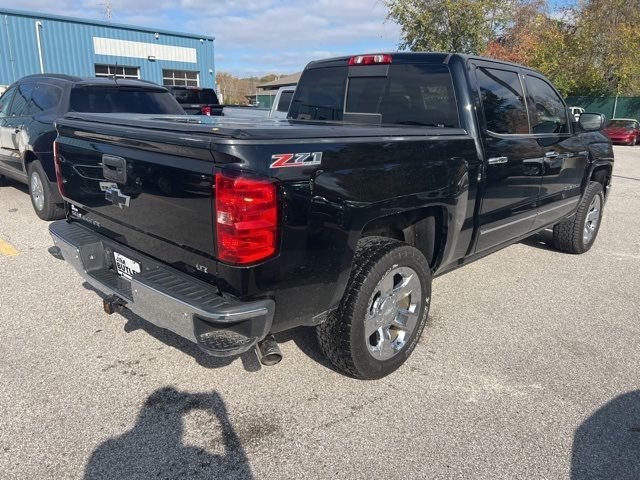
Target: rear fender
(424,229)
(403,216)
(601,172)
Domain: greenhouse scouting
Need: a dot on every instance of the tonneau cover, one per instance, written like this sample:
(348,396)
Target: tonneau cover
(260,128)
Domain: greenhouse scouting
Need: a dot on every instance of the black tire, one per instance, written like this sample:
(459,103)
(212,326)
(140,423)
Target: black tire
(49,209)
(342,336)
(568,236)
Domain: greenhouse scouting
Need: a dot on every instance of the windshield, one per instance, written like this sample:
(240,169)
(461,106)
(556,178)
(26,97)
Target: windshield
(408,95)
(621,124)
(196,96)
(122,100)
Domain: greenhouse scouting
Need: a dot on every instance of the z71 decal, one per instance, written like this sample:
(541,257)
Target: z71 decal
(283,160)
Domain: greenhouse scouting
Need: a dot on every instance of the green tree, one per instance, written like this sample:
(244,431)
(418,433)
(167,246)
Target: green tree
(465,26)
(609,31)
(591,48)
(585,50)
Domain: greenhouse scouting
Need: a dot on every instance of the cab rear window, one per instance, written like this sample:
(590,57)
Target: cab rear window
(196,96)
(121,100)
(408,95)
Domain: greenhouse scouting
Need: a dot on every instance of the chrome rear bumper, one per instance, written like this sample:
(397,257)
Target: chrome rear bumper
(164,296)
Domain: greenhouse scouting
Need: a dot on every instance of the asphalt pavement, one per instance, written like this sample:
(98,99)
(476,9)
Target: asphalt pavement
(529,368)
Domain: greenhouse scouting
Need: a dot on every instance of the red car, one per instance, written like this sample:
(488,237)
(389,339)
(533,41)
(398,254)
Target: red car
(623,130)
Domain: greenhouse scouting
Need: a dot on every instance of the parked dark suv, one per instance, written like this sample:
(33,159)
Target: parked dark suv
(197,101)
(29,108)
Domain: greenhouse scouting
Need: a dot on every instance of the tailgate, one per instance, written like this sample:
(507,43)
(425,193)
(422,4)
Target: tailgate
(150,191)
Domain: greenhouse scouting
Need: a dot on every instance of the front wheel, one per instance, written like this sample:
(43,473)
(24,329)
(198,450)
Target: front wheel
(578,234)
(41,195)
(383,311)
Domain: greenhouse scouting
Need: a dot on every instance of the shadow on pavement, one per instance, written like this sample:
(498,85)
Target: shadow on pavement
(249,359)
(607,444)
(542,240)
(305,339)
(9,182)
(153,448)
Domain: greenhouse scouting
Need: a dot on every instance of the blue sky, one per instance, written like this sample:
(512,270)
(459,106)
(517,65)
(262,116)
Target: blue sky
(253,37)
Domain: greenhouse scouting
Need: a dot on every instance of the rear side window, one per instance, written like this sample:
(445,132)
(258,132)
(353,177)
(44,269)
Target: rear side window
(285,101)
(21,100)
(547,111)
(502,101)
(122,100)
(5,102)
(408,95)
(44,97)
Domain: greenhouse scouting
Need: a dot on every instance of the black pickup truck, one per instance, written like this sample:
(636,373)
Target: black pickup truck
(390,169)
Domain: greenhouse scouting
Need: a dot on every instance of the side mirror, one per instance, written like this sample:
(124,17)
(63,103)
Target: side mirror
(591,122)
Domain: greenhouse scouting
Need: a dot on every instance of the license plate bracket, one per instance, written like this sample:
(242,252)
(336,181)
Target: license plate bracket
(126,267)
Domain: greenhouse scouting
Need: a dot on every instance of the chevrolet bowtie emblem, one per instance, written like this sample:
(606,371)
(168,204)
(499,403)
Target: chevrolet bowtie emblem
(116,197)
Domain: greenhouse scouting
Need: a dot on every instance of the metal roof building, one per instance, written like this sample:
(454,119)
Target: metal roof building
(42,43)
(283,81)
(266,93)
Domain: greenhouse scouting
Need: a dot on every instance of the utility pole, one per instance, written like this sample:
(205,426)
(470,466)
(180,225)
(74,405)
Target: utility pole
(108,11)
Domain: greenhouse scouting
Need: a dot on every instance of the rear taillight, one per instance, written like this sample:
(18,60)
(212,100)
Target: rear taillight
(246,218)
(206,110)
(377,59)
(56,162)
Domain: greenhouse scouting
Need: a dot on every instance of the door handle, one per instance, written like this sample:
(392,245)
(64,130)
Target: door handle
(114,168)
(552,154)
(497,160)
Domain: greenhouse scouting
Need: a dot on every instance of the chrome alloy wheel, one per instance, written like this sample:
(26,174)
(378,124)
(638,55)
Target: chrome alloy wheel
(393,312)
(37,191)
(592,220)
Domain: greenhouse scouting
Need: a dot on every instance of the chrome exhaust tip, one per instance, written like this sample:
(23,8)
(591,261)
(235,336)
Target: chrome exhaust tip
(268,351)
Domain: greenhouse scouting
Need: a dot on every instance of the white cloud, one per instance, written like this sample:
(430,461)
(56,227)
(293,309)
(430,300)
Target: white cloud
(302,24)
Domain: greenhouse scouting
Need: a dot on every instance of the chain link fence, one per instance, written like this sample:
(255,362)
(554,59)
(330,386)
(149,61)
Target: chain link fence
(611,107)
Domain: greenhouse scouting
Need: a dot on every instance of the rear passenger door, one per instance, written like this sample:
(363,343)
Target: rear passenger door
(565,157)
(12,136)
(5,105)
(513,157)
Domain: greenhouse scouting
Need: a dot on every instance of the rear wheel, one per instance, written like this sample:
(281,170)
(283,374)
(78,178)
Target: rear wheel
(578,234)
(383,311)
(41,195)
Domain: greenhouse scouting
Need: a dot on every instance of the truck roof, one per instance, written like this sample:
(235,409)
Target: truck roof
(91,81)
(415,57)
